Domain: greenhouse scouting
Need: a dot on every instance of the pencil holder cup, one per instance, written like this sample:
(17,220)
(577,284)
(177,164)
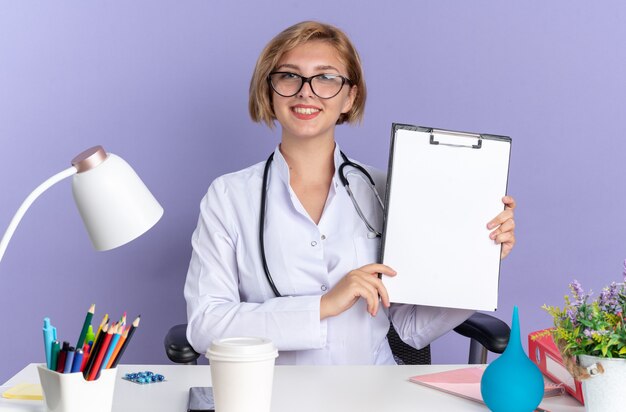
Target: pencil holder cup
(70,392)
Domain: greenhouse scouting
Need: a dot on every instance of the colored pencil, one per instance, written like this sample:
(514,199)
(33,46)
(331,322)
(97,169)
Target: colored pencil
(104,321)
(131,331)
(116,337)
(102,350)
(120,342)
(86,323)
(93,353)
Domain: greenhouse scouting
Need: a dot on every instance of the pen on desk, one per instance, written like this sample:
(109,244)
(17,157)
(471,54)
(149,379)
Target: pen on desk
(131,331)
(69,360)
(54,355)
(93,351)
(62,356)
(78,361)
(86,323)
(99,356)
(49,336)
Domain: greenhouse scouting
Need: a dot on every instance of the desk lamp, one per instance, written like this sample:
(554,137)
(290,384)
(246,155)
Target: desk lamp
(115,205)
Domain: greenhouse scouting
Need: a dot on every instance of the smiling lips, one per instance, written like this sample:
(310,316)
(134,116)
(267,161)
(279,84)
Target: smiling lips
(304,112)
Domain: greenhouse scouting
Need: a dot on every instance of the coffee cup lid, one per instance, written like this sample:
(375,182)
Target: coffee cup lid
(242,348)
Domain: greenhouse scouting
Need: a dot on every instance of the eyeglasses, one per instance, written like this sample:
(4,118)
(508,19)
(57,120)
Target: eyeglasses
(324,86)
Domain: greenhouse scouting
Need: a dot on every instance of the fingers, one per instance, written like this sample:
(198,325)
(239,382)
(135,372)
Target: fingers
(509,202)
(376,268)
(509,205)
(362,283)
(501,218)
(370,288)
(506,227)
(505,238)
(381,291)
(373,270)
(384,295)
(371,297)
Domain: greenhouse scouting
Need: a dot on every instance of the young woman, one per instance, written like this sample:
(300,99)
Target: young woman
(280,250)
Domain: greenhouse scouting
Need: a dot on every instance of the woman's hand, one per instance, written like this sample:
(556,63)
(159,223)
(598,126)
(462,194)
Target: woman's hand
(359,283)
(504,226)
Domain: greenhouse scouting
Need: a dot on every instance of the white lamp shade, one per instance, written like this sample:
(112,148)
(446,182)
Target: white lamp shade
(115,204)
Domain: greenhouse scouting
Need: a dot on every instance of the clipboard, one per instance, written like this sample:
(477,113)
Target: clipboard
(442,188)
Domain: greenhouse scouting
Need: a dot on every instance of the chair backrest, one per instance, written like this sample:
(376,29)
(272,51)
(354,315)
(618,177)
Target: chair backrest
(404,353)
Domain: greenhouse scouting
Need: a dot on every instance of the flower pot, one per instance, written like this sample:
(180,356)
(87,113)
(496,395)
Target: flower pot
(604,391)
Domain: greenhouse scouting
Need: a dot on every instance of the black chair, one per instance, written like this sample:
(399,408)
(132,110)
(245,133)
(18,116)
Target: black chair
(486,333)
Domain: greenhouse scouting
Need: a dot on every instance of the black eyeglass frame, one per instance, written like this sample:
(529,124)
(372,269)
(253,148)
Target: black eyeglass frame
(304,80)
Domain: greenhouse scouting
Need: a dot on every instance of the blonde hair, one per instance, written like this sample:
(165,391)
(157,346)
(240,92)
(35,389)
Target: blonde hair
(260,98)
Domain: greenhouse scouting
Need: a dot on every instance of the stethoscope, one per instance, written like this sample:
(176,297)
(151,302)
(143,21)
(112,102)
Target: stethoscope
(343,176)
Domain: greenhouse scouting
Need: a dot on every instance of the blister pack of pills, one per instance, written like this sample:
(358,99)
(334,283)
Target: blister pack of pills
(144,378)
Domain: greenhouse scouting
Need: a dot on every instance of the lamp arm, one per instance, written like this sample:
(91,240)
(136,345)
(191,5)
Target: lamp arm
(28,202)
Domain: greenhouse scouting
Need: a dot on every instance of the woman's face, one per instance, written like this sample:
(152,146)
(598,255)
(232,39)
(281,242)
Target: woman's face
(306,115)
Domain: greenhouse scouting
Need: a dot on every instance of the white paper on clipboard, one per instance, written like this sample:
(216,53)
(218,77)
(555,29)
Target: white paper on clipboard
(442,189)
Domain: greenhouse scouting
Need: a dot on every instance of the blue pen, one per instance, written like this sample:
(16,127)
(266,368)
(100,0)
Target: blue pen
(78,360)
(69,360)
(49,335)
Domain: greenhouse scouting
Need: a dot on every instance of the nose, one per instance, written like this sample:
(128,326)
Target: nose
(308,91)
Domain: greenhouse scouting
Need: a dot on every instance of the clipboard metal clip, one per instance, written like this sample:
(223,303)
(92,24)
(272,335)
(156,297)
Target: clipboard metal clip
(449,138)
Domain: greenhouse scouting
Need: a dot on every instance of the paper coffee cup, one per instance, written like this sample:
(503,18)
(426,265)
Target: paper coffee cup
(242,370)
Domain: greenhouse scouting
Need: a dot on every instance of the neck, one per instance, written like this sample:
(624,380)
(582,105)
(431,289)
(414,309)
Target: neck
(311,160)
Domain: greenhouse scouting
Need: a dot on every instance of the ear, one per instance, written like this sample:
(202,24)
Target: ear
(349,102)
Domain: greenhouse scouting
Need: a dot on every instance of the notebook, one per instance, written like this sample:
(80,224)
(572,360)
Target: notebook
(465,383)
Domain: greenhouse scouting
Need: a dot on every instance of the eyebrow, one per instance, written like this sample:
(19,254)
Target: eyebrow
(295,67)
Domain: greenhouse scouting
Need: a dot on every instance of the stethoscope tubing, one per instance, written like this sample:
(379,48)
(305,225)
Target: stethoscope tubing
(346,185)
(268,163)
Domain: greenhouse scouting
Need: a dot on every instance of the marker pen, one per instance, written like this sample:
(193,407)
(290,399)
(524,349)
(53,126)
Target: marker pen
(54,355)
(49,335)
(86,353)
(62,356)
(69,359)
(90,336)
(78,361)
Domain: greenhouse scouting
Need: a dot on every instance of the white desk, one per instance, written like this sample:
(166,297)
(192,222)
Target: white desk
(296,388)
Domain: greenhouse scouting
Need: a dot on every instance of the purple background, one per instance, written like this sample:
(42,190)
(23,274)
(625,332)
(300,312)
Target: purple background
(164,85)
